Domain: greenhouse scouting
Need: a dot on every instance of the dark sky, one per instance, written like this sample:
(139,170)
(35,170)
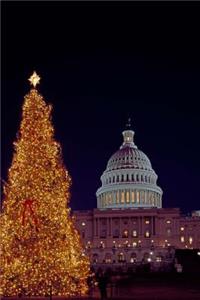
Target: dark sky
(100,63)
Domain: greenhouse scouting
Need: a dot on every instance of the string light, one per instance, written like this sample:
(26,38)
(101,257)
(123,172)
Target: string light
(40,247)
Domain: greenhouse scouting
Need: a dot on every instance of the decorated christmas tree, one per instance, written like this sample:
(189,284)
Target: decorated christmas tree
(41,251)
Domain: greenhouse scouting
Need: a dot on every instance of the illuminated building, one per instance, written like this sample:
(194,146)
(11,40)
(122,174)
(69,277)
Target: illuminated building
(129,225)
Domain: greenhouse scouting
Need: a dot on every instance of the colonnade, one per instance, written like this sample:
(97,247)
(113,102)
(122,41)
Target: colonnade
(128,177)
(129,196)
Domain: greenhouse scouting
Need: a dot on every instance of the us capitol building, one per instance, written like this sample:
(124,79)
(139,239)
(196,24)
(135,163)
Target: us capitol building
(129,225)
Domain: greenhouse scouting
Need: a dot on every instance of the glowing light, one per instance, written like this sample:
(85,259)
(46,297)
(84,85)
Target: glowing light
(182,239)
(149,259)
(147,234)
(40,247)
(34,79)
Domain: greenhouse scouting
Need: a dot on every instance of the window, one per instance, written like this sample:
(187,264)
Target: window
(95,258)
(114,244)
(158,258)
(88,245)
(116,222)
(125,233)
(103,233)
(110,198)
(142,195)
(117,197)
(147,222)
(108,258)
(83,223)
(138,197)
(133,196)
(169,231)
(147,234)
(121,257)
(134,233)
(168,222)
(190,240)
(127,197)
(103,222)
(133,258)
(127,177)
(182,228)
(122,178)
(122,197)
(182,239)
(116,233)
(102,245)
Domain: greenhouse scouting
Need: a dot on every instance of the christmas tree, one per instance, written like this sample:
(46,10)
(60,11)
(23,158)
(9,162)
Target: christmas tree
(41,251)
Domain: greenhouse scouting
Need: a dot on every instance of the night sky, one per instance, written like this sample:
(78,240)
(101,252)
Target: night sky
(101,63)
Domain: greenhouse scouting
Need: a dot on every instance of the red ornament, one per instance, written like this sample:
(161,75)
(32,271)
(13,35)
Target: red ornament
(29,208)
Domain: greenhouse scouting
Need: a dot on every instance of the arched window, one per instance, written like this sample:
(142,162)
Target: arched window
(95,258)
(146,257)
(121,257)
(117,178)
(125,233)
(108,258)
(132,177)
(122,179)
(127,177)
(133,258)
(113,179)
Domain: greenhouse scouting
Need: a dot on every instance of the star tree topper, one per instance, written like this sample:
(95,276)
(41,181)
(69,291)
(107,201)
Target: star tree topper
(34,79)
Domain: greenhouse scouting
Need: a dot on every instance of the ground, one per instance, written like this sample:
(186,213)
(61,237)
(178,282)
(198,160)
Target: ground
(146,287)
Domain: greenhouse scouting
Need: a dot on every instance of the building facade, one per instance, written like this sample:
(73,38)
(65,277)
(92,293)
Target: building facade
(129,225)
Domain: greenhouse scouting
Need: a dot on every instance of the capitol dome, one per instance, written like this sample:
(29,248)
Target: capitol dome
(129,180)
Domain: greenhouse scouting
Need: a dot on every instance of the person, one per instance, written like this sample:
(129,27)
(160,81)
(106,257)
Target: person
(102,284)
(90,283)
